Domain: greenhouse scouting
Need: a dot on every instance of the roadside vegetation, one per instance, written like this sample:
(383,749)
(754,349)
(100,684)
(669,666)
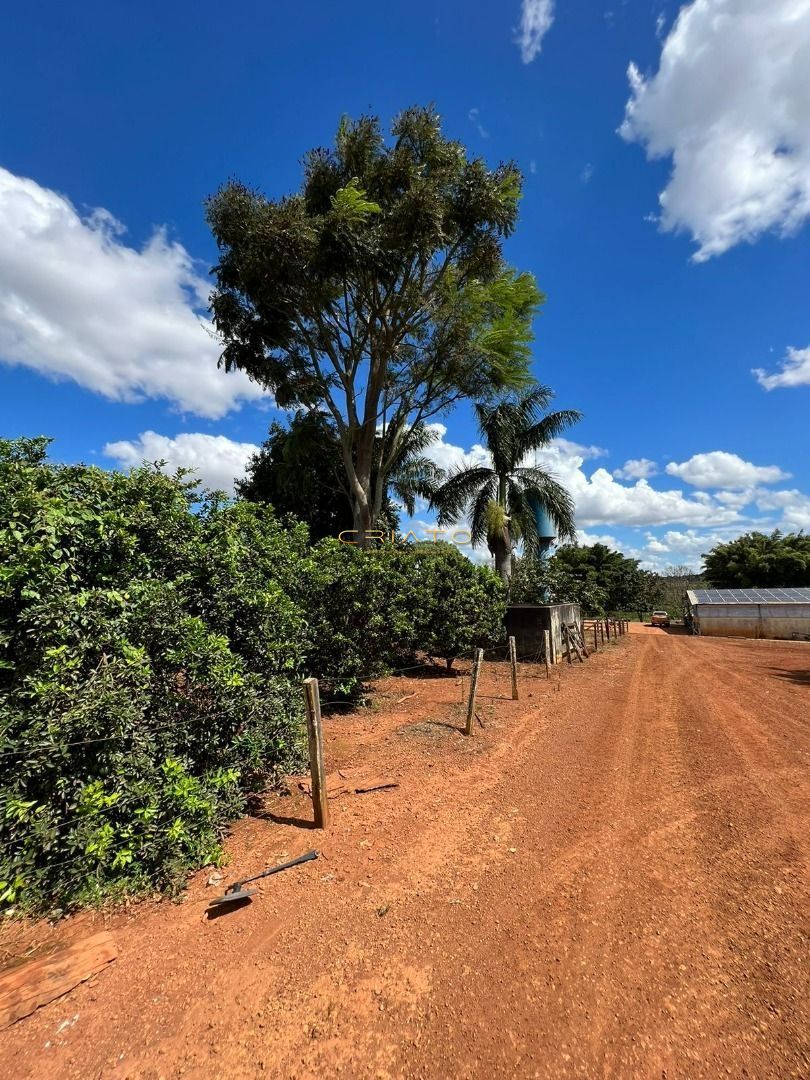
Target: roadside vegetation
(153,638)
(761,560)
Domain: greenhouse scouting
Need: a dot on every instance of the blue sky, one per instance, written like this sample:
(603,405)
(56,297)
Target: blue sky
(667,197)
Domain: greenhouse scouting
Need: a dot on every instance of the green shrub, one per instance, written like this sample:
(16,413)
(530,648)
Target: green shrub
(147,659)
(369,612)
(152,644)
(360,618)
(459,606)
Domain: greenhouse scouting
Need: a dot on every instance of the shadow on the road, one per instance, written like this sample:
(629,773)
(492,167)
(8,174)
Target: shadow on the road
(801,678)
(279,819)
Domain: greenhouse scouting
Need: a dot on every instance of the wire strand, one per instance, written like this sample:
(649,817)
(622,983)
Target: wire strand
(30,752)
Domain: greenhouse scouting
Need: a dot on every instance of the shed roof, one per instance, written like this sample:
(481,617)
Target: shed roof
(749,596)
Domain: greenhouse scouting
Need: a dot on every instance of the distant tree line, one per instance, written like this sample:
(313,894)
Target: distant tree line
(760,560)
(603,580)
(596,577)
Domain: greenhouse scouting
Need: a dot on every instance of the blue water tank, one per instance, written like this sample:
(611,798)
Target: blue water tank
(545,529)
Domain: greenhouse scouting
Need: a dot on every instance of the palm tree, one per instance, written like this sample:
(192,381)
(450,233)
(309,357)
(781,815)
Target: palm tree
(500,499)
(413,474)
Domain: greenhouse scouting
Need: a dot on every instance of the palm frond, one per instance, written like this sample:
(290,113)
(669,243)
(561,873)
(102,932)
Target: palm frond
(547,428)
(416,477)
(511,427)
(457,492)
(480,510)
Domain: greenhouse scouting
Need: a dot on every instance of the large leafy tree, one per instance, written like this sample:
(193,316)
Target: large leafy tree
(298,470)
(624,585)
(378,292)
(774,560)
(595,576)
(499,498)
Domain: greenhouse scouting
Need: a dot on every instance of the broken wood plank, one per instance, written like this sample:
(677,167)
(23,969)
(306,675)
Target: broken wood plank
(26,988)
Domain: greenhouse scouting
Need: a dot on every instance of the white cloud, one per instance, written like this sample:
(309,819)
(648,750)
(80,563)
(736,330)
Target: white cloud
(475,116)
(730,103)
(600,500)
(795,371)
(216,459)
(448,456)
(603,504)
(636,469)
(656,546)
(76,302)
(719,469)
(587,173)
(685,547)
(795,507)
(536,17)
(587,539)
(737,499)
(568,447)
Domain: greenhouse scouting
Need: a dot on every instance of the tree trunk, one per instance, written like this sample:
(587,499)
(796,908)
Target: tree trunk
(501,548)
(362,522)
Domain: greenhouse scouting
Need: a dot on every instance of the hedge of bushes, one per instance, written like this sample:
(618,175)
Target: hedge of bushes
(152,644)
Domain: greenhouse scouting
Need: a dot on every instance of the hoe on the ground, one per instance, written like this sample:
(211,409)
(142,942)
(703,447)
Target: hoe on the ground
(237,893)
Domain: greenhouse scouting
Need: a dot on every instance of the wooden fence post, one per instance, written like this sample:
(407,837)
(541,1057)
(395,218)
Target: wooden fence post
(595,639)
(513,662)
(479,656)
(320,804)
(602,630)
(547,652)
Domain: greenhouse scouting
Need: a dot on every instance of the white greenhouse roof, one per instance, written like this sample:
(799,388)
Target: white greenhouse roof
(749,596)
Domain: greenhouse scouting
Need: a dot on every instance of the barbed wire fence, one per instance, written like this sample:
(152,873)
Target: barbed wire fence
(519,666)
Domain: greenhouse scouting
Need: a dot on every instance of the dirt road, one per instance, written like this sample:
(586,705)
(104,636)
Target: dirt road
(608,879)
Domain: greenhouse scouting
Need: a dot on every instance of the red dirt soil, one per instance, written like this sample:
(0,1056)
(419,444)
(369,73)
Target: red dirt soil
(608,879)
